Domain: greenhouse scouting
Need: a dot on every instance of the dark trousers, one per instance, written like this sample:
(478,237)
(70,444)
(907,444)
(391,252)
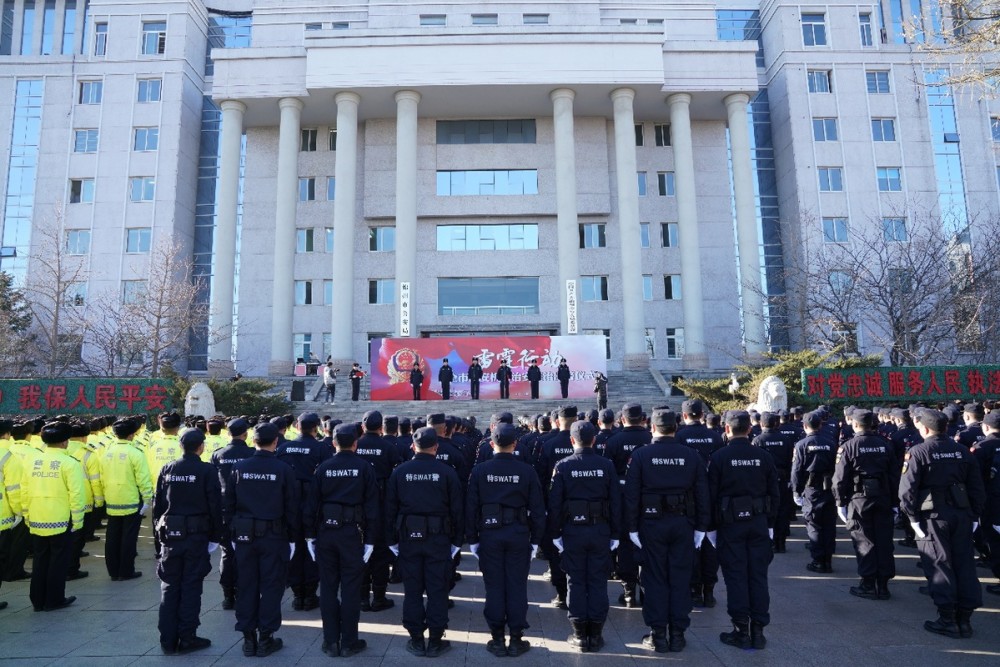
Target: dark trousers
(602,403)
(49,567)
(182,569)
(416,392)
(819,511)
(426,569)
(228,573)
(331,392)
(992,538)
(554,559)
(705,567)
(783,521)
(80,540)
(302,570)
(446,391)
(339,552)
(474,389)
(504,560)
(745,554)
(355,389)
(263,571)
(626,566)
(18,538)
(564,388)
(587,562)
(120,544)
(949,562)
(668,545)
(375,576)
(534,389)
(505,390)
(870,524)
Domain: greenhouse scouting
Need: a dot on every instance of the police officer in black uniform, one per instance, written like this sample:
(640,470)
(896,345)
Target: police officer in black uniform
(504,376)
(941,493)
(344,521)
(425,526)
(585,512)
(972,431)
(556,447)
(864,485)
(743,484)
(534,377)
(667,512)
(505,523)
(813,464)
(619,450)
(187,513)
(383,456)
(694,434)
(781,448)
(224,460)
(445,377)
(304,454)
(475,376)
(986,454)
(261,508)
(564,375)
(355,376)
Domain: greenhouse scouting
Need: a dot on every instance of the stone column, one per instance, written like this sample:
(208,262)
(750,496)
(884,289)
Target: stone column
(81,28)
(286,200)
(754,332)
(346,172)
(406,196)
(567,226)
(224,244)
(58,27)
(36,37)
(687,227)
(636,356)
(15,43)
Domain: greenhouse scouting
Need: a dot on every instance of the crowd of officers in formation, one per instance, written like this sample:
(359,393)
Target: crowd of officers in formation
(338,511)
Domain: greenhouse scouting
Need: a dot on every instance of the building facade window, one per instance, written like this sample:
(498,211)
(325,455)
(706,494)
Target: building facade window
(831,179)
(100,39)
(48,26)
(640,138)
(307,189)
(332,140)
(865,27)
(133,292)
(846,336)
(894,229)
(594,288)
(740,25)
(606,334)
(592,235)
(840,282)
(488,296)
(308,140)
(820,80)
(835,230)
(651,342)
(487,237)
(303,240)
(85,141)
(303,292)
(81,191)
(890,179)
(154,38)
(487,182)
(675,343)
(484,19)
(301,346)
(146,139)
(327,298)
(328,239)
(661,131)
(669,234)
(331,188)
(995,127)
(433,20)
(883,129)
(91,92)
(825,129)
(814,30)
(877,82)
(138,240)
(142,188)
(647,287)
(78,242)
(535,19)
(641,179)
(672,287)
(69,348)
(644,234)
(232,31)
(75,294)
(512,131)
(381,239)
(149,91)
(665,185)
(381,291)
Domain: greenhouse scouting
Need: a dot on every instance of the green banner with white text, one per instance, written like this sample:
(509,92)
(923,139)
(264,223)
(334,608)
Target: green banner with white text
(84,396)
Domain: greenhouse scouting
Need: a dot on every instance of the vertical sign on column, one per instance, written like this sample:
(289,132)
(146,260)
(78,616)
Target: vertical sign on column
(404,310)
(571,323)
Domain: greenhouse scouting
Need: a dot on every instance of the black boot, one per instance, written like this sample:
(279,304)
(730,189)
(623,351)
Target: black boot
(192,643)
(559,601)
(268,644)
(579,639)
(310,600)
(962,619)
(366,602)
(819,566)
(249,643)
(697,595)
(882,588)
(779,546)
(498,644)
(945,624)
(628,597)
(228,598)
(709,595)
(677,641)
(866,589)
(436,645)
(379,601)
(298,601)
(518,645)
(656,640)
(739,637)
(417,645)
(355,647)
(757,638)
(595,635)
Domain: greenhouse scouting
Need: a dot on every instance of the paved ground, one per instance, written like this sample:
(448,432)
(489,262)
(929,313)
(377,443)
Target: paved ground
(815,622)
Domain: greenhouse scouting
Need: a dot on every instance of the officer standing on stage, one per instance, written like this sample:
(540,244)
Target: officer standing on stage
(534,377)
(743,484)
(355,376)
(187,514)
(563,375)
(601,389)
(224,460)
(941,493)
(128,495)
(304,454)
(383,456)
(585,512)
(425,526)
(445,377)
(475,375)
(52,503)
(667,512)
(864,485)
(505,522)
(261,508)
(504,376)
(781,449)
(340,530)
(416,381)
(813,464)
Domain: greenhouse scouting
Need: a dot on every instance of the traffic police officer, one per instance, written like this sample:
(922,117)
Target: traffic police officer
(187,514)
(942,494)
(425,518)
(504,376)
(383,456)
(89,459)
(10,494)
(866,476)
(475,376)
(445,377)
(813,465)
(341,529)
(128,495)
(667,512)
(224,460)
(52,502)
(585,512)
(743,484)
(505,522)
(261,509)
(534,377)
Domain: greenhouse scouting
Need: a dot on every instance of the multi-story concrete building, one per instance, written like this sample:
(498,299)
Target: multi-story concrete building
(316,158)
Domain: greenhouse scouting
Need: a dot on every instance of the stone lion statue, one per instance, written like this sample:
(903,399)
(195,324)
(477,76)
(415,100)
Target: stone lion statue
(772,395)
(199,400)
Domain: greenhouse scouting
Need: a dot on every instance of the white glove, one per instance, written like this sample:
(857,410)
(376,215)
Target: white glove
(895,511)
(144,510)
(311,546)
(842,513)
(394,549)
(291,550)
(534,550)
(474,548)
(635,539)
(770,533)
(996,528)
(699,537)
(558,544)
(234,545)
(614,544)
(918,530)
(455,550)
(369,549)
(212,546)
(975,526)
(712,536)
(798,500)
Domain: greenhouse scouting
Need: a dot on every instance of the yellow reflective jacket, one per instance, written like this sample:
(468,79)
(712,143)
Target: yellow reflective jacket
(125,478)
(213,443)
(10,486)
(165,449)
(91,463)
(54,494)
